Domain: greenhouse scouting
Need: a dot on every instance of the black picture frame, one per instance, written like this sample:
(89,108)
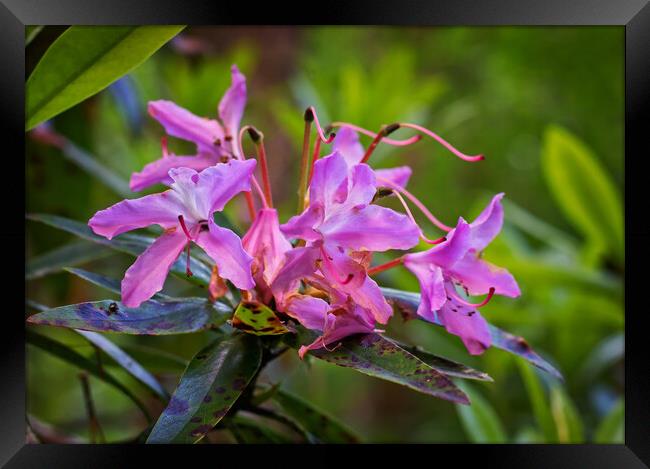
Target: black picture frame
(633,15)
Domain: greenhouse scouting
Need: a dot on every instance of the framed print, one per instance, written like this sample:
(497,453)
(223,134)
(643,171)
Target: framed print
(364,225)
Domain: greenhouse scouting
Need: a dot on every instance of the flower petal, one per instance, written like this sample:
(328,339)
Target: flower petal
(432,288)
(309,311)
(478,276)
(362,187)
(158,171)
(398,176)
(447,253)
(225,248)
(157,209)
(231,107)
(208,191)
(373,228)
(266,243)
(299,263)
(468,324)
(329,181)
(302,226)
(347,144)
(488,224)
(148,273)
(181,123)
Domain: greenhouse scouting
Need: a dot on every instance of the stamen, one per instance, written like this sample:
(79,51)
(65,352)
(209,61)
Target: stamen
(258,139)
(321,134)
(181,220)
(417,203)
(487,299)
(304,160)
(314,158)
(383,267)
(163,143)
(384,132)
(247,195)
(390,141)
(443,142)
(330,350)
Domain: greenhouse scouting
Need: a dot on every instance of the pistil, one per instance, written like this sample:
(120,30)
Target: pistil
(472,305)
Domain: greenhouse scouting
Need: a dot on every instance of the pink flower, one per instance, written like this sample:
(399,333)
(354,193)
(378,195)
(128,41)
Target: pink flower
(268,246)
(186,214)
(457,260)
(347,144)
(339,221)
(214,141)
(335,323)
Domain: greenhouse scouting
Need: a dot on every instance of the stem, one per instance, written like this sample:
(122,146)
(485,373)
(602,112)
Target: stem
(95,429)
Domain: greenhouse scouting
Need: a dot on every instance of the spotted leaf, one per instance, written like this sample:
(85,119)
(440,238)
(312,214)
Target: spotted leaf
(152,317)
(212,382)
(255,318)
(407,304)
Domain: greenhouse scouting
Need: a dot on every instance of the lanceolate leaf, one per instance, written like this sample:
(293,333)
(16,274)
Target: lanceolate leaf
(125,361)
(257,318)
(322,426)
(67,354)
(105,282)
(377,356)
(71,254)
(212,382)
(446,366)
(120,357)
(128,242)
(150,318)
(248,431)
(83,61)
(407,304)
(480,420)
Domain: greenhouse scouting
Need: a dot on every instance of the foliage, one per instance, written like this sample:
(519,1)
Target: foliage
(519,95)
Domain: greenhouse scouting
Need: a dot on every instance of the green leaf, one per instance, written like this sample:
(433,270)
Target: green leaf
(444,365)
(377,356)
(70,356)
(612,428)
(568,425)
(128,242)
(538,401)
(153,317)
(258,319)
(248,431)
(407,304)
(212,382)
(108,283)
(480,420)
(31,32)
(313,420)
(125,361)
(83,61)
(95,168)
(583,190)
(72,254)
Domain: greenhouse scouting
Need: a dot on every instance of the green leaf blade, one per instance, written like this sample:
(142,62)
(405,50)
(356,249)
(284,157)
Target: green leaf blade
(68,255)
(480,420)
(377,356)
(83,61)
(313,420)
(407,304)
(212,382)
(150,318)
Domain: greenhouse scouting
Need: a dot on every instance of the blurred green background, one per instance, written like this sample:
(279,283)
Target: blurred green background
(544,105)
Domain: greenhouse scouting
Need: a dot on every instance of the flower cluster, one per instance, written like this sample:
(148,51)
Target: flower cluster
(316,267)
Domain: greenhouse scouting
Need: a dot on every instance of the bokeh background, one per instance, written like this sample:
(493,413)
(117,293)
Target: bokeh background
(545,105)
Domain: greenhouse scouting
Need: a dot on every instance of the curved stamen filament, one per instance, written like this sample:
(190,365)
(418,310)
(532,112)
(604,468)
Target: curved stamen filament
(181,220)
(472,305)
(321,134)
(397,190)
(390,141)
(443,142)
(383,267)
(256,185)
(258,139)
(314,158)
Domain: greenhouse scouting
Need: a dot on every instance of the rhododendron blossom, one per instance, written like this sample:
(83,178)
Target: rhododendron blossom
(315,268)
